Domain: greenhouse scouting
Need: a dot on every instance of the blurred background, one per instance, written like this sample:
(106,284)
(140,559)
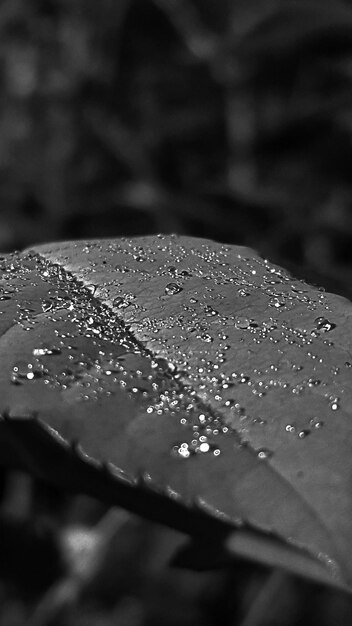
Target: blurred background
(230,120)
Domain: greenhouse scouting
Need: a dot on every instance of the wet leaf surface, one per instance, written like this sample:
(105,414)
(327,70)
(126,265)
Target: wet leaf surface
(192,382)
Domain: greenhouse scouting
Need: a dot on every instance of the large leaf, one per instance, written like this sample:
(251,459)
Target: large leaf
(219,385)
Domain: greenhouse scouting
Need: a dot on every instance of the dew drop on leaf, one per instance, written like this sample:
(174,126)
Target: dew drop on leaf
(47,305)
(209,311)
(121,303)
(334,405)
(316,423)
(206,337)
(290,428)
(264,453)
(242,323)
(182,451)
(45,351)
(172,289)
(303,433)
(324,324)
(243,293)
(25,371)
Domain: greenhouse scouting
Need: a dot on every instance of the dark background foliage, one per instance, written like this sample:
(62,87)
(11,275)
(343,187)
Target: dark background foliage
(230,120)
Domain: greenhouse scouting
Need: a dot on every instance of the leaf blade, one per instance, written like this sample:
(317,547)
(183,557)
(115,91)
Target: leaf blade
(264,493)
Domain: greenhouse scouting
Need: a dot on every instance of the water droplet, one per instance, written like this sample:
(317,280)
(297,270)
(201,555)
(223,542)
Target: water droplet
(314,382)
(45,351)
(264,453)
(161,365)
(182,451)
(121,303)
(209,311)
(26,370)
(205,337)
(243,293)
(324,324)
(277,303)
(242,323)
(315,422)
(172,289)
(290,428)
(303,433)
(47,305)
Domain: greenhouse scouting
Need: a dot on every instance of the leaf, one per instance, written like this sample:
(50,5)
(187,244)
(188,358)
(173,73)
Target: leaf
(216,382)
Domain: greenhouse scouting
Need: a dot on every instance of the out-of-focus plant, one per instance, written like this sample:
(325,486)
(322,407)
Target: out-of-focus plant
(230,119)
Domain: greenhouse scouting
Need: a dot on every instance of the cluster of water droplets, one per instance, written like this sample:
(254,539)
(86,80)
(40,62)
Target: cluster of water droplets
(237,333)
(220,309)
(114,360)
